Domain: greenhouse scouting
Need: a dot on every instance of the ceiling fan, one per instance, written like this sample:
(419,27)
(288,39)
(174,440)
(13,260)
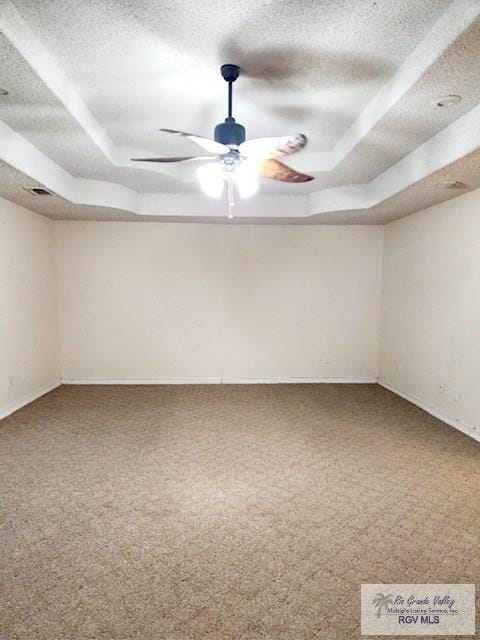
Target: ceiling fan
(237,162)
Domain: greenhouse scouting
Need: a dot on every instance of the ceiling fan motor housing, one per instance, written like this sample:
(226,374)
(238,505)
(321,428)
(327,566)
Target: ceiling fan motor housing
(230,132)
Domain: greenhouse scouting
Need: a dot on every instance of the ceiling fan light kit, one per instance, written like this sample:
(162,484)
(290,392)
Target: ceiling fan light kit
(234,161)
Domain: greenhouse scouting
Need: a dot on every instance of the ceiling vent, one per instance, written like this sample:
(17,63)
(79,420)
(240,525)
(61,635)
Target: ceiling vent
(452,185)
(38,191)
(449,101)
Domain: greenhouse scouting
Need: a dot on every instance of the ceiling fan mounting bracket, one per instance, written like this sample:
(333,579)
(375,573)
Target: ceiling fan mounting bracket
(230,72)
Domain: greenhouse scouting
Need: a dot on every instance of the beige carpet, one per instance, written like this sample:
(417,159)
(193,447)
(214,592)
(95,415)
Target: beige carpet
(225,512)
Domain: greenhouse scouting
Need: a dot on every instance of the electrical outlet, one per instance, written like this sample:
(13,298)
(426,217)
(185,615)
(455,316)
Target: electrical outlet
(11,381)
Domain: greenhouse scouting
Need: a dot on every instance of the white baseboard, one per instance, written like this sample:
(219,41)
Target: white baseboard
(467,429)
(18,404)
(139,381)
(299,380)
(159,381)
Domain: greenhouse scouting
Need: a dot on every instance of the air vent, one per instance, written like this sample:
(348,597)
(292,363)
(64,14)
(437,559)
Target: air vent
(449,101)
(38,191)
(452,185)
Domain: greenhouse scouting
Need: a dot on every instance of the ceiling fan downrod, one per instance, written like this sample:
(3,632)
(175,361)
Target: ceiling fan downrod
(230,132)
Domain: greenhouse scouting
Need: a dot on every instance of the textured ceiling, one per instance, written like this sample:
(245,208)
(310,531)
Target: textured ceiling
(90,83)
(146,64)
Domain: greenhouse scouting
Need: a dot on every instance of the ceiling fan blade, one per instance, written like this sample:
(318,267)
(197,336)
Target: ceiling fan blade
(276,170)
(206,143)
(273,147)
(172,159)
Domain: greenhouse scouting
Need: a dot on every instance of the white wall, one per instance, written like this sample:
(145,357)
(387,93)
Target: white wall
(165,301)
(28,308)
(430,337)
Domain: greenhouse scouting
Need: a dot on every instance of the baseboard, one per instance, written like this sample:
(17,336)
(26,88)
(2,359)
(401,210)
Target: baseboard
(467,429)
(217,380)
(299,380)
(18,404)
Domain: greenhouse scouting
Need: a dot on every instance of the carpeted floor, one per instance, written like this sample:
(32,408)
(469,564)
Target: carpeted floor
(225,512)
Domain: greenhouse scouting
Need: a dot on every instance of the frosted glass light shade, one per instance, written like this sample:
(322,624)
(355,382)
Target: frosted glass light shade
(210,177)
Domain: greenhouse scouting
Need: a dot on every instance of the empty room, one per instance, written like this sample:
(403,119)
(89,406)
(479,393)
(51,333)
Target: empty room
(239,319)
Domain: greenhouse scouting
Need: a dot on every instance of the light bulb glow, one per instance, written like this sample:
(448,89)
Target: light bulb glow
(210,177)
(246,178)
(243,175)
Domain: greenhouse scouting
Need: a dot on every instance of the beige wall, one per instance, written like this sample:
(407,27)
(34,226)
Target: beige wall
(165,301)
(28,308)
(430,337)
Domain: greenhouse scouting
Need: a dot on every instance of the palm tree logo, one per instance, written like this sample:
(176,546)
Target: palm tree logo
(381,602)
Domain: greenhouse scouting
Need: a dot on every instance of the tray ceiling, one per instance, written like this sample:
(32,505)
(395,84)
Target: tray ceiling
(90,83)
